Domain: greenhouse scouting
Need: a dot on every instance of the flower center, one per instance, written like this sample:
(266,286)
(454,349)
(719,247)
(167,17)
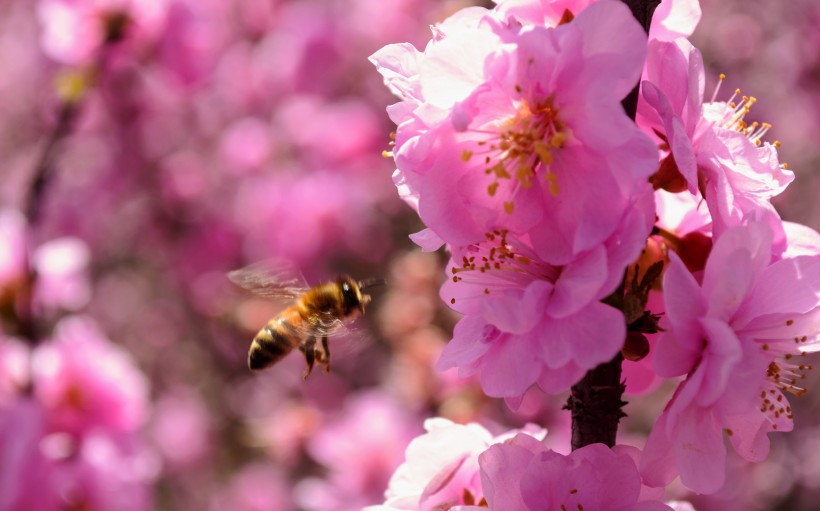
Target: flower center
(518,148)
(733,117)
(500,262)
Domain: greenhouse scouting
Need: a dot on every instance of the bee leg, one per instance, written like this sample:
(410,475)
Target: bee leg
(325,354)
(310,352)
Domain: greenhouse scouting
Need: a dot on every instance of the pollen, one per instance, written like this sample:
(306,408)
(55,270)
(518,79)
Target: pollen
(492,188)
(552,180)
(520,148)
(734,118)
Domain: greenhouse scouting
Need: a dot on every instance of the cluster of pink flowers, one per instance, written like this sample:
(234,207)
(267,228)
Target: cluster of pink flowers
(514,148)
(69,424)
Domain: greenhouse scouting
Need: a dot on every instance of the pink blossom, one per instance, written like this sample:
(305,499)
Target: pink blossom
(85,382)
(522,474)
(740,335)
(721,157)
(514,135)
(529,322)
(441,469)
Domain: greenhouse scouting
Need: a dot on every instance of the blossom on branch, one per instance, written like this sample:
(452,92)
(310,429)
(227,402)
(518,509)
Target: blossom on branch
(740,335)
(526,132)
(716,153)
(530,322)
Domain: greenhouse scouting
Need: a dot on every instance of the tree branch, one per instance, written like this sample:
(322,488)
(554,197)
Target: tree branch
(596,401)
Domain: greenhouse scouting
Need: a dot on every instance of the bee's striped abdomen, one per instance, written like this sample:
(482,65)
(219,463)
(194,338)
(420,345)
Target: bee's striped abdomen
(268,347)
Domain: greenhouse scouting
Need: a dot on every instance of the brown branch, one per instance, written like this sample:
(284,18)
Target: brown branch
(595,402)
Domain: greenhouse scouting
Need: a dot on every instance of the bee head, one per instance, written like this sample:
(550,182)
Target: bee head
(352,296)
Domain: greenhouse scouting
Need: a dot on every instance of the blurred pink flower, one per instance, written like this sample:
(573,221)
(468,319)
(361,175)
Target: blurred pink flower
(246,144)
(747,321)
(75,30)
(60,266)
(25,474)
(12,249)
(108,472)
(300,218)
(84,382)
(514,133)
(15,367)
(256,487)
(181,429)
(45,472)
(721,157)
(360,449)
(62,280)
(441,468)
(527,321)
(522,474)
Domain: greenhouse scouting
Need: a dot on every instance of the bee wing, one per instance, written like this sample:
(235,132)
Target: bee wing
(270,279)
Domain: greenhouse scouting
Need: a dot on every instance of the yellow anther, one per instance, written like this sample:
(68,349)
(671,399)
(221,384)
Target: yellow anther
(508,207)
(558,139)
(552,180)
(466,155)
(543,152)
(500,171)
(492,188)
(524,175)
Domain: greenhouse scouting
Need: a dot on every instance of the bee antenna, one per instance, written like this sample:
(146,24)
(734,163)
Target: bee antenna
(367,283)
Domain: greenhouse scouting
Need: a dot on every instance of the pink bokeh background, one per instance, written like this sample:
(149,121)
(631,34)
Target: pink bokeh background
(216,134)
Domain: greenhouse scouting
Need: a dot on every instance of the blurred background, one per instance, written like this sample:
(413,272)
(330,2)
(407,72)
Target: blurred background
(148,147)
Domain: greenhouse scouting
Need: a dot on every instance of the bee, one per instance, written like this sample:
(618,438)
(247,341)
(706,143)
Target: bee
(315,314)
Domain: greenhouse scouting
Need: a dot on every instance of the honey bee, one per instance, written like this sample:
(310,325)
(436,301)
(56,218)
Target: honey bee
(315,315)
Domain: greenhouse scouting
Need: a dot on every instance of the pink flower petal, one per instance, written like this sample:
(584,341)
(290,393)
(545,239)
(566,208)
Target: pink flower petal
(770,296)
(700,453)
(472,338)
(683,303)
(579,283)
(510,367)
